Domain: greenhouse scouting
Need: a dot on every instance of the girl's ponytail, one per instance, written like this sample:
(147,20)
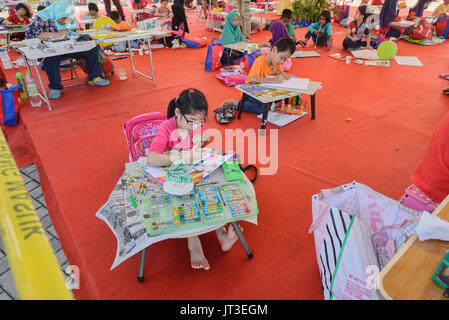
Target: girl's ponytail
(171,108)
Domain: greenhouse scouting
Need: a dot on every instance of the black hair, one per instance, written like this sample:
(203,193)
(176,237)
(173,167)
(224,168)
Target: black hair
(189,101)
(24,7)
(114,15)
(92,7)
(285,44)
(136,1)
(162,0)
(41,7)
(286,13)
(326,14)
(362,10)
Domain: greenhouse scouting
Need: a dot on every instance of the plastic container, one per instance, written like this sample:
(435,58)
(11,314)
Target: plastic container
(23,91)
(33,93)
(122,74)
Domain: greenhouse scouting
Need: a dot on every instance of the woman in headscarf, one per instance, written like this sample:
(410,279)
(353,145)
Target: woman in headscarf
(55,21)
(418,9)
(278,31)
(179,17)
(387,14)
(231,34)
(231,31)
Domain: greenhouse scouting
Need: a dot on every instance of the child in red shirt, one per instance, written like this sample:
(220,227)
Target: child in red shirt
(431,177)
(21,17)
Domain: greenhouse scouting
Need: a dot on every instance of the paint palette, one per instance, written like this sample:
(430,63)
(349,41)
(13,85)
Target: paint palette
(207,204)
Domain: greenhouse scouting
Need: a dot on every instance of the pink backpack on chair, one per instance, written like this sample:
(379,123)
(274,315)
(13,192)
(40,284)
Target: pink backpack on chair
(140,132)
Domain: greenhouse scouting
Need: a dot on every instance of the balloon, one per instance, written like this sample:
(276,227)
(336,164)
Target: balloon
(387,50)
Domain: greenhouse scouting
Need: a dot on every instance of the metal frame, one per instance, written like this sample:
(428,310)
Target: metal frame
(250,255)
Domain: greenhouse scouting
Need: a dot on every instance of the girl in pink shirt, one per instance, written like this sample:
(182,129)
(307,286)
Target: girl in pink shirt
(186,116)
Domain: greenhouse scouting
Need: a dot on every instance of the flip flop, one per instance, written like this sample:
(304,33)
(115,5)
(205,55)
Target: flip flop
(444,76)
(229,111)
(446,91)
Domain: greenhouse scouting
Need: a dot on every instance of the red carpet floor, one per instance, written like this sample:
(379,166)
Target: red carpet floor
(80,150)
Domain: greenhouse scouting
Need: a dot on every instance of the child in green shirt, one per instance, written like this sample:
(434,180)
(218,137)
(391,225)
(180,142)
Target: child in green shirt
(321,31)
(286,17)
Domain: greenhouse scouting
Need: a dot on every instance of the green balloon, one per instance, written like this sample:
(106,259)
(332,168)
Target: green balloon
(387,50)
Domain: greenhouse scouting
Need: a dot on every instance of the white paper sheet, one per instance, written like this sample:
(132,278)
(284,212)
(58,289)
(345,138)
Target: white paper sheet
(281,119)
(379,63)
(408,61)
(432,227)
(365,54)
(292,83)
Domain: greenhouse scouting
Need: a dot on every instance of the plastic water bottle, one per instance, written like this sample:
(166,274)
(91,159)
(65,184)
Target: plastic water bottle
(23,90)
(33,93)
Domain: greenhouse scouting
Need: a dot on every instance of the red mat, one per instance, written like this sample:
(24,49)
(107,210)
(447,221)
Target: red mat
(81,152)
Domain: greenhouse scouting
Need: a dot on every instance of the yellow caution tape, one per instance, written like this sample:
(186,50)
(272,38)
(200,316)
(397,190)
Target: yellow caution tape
(34,267)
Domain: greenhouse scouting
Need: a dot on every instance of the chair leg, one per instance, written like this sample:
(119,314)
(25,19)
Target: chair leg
(140,276)
(242,240)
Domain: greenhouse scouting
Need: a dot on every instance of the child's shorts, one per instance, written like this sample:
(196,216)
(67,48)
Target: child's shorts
(415,199)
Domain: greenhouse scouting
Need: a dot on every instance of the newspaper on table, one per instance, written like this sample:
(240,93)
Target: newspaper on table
(123,219)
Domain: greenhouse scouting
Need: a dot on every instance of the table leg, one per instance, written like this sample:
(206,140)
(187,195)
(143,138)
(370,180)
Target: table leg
(242,240)
(140,277)
(242,101)
(130,55)
(150,56)
(312,105)
(266,107)
(44,92)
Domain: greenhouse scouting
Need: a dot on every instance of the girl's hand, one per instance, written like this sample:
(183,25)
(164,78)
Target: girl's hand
(192,156)
(286,76)
(7,22)
(316,32)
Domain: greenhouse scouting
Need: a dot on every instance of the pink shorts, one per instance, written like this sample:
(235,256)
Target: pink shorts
(415,199)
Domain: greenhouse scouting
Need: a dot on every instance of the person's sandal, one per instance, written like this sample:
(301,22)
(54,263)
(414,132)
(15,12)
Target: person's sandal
(229,111)
(444,76)
(220,117)
(446,91)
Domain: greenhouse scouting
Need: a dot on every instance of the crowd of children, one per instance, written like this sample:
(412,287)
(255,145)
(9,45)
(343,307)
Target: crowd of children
(188,111)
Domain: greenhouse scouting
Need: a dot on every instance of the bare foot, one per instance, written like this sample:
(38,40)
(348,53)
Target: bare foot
(227,239)
(197,258)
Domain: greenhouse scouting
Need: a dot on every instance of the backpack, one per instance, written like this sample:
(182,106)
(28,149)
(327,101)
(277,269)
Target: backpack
(422,31)
(140,132)
(106,65)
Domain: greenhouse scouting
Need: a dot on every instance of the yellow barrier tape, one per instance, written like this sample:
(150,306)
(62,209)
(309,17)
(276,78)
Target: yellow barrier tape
(34,267)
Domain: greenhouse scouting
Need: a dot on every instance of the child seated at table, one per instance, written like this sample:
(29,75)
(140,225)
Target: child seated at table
(141,4)
(186,116)
(164,14)
(92,12)
(179,26)
(321,31)
(266,69)
(356,31)
(21,17)
(120,25)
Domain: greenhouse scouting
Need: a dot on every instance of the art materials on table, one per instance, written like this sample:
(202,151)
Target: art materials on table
(293,83)
(161,213)
(232,171)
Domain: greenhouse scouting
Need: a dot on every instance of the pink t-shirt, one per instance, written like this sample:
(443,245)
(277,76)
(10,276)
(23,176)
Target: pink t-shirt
(167,138)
